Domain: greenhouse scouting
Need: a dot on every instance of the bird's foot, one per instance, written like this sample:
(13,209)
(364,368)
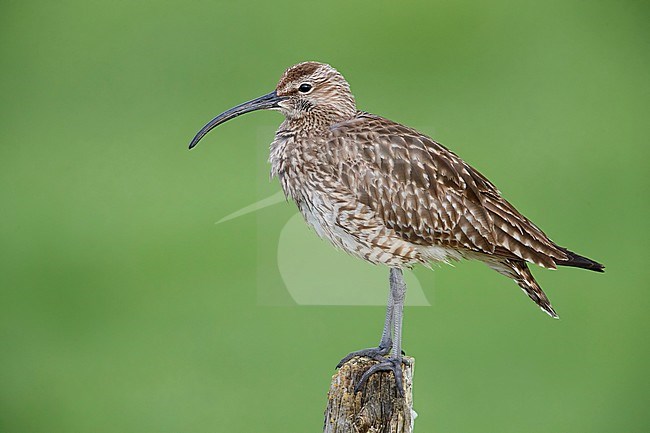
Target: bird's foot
(376,353)
(386,364)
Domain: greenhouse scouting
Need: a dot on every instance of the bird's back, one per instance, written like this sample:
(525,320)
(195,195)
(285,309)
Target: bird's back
(414,188)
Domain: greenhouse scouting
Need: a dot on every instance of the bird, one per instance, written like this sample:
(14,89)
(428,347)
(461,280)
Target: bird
(392,196)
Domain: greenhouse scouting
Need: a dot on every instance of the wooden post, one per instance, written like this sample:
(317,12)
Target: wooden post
(376,409)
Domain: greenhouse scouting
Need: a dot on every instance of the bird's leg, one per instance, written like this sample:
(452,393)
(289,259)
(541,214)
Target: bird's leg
(385,343)
(394,361)
(398,292)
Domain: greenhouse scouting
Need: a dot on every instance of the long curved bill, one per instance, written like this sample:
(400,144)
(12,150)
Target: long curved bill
(266,102)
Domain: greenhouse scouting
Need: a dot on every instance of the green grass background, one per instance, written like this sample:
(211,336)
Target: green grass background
(123,308)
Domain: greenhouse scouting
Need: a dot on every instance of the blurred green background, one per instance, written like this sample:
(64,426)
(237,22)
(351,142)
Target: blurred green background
(124,308)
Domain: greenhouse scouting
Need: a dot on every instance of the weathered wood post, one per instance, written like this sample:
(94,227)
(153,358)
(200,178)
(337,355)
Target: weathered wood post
(376,409)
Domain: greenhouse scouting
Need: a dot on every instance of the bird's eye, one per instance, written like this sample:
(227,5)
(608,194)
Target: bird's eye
(305,88)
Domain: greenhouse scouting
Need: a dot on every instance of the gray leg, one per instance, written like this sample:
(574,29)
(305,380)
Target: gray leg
(388,323)
(394,362)
(385,343)
(398,293)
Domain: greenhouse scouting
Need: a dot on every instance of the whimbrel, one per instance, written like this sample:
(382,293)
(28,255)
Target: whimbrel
(390,195)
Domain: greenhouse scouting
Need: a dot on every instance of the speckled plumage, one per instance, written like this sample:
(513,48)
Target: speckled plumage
(390,195)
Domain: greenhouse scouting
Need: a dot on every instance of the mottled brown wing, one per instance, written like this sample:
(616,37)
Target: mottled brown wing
(428,195)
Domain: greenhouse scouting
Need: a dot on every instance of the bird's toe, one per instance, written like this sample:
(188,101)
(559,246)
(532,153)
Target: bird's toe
(388,364)
(376,353)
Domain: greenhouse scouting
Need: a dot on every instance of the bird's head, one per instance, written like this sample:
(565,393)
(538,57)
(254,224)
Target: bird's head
(317,90)
(310,93)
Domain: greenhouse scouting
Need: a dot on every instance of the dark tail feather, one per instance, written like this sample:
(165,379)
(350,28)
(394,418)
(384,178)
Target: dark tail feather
(577,261)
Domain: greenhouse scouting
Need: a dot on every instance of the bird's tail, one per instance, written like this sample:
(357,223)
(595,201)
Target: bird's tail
(578,261)
(518,271)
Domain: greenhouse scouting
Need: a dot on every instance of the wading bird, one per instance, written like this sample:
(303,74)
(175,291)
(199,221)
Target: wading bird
(390,195)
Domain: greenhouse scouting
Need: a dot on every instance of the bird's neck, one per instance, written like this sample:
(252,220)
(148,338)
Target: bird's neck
(318,121)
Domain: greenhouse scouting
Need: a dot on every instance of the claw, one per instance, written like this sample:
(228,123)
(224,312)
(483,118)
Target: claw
(376,353)
(388,364)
